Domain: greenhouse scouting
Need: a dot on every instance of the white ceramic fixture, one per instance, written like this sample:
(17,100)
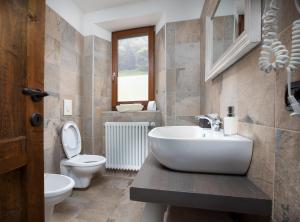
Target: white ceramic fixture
(78,166)
(191,148)
(57,188)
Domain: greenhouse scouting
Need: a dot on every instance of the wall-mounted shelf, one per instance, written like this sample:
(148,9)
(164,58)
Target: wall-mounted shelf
(157,184)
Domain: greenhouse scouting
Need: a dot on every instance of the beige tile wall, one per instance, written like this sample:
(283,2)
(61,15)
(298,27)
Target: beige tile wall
(87,95)
(178,72)
(77,68)
(96,91)
(160,72)
(63,46)
(102,89)
(259,102)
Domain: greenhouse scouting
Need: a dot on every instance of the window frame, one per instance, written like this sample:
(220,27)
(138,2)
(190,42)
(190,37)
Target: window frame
(116,36)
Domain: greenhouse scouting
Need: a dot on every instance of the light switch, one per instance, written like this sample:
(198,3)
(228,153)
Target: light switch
(67,107)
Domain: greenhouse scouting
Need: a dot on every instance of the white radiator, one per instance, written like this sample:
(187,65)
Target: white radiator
(126,144)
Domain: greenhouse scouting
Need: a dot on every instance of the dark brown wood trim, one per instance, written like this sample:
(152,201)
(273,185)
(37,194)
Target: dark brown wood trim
(151,42)
(33,173)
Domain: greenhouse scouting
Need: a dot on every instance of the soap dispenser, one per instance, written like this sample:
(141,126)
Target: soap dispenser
(230,122)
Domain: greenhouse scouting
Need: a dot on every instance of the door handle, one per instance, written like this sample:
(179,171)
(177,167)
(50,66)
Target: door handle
(35,94)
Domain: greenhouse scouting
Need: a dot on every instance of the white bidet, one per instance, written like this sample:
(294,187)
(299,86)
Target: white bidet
(57,188)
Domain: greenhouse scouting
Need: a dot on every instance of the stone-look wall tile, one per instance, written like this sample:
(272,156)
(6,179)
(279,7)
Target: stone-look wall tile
(171,102)
(287,14)
(205,87)
(52,77)
(182,70)
(102,47)
(188,31)
(69,83)
(187,54)
(53,24)
(170,45)
(171,79)
(256,91)
(70,60)
(283,118)
(70,38)
(52,106)
(87,127)
(87,94)
(86,106)
(98,135)
(160,81)
(52,50)
(287,177)
(87,145)
(212,96)
(52,130)
(86,85)
(77,105)
(52,145)
(52,156)
(261,171)
(187,103)
(186,121)
(188,67)
(160,72)
(160,50)
(88,45)
(229,93)
(87,64)
(63,46)
(95,88)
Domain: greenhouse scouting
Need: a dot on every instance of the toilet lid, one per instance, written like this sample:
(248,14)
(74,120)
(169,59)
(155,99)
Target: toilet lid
(71,139)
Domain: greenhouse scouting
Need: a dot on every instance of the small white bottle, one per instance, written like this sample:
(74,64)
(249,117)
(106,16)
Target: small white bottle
(230,122)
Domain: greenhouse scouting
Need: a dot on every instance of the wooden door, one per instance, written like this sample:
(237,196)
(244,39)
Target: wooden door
(21,144)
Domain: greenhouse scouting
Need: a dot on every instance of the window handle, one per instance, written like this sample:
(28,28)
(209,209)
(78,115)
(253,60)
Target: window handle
(114,75)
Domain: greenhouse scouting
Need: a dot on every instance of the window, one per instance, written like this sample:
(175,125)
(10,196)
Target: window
(133,66)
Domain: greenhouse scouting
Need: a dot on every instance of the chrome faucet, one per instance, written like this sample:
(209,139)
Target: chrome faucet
(213,119)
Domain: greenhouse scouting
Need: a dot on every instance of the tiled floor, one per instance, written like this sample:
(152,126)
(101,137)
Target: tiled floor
(106,200)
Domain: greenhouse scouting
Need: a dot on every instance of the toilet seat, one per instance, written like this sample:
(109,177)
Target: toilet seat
(84,160)
(71,139)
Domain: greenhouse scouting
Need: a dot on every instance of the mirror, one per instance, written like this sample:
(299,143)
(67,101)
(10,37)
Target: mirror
(232,30)
(228,24)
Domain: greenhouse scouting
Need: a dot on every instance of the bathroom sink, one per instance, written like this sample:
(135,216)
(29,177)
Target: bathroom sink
(193,149)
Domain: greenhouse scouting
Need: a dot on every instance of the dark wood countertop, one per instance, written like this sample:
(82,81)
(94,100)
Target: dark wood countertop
(157,184)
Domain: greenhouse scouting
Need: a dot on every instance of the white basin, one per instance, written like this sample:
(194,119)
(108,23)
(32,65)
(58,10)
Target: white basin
(57,188)
(190,148)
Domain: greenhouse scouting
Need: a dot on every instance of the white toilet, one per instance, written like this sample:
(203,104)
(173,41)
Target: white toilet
(78,166)
(57,189)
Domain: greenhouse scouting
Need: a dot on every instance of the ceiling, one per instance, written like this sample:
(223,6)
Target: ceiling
(130,23)
(94,5)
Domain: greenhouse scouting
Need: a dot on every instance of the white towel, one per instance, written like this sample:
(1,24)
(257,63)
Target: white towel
(130,107)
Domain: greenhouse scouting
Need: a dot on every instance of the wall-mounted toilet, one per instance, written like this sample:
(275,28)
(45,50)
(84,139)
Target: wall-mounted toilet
(78,166)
